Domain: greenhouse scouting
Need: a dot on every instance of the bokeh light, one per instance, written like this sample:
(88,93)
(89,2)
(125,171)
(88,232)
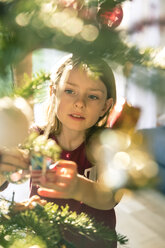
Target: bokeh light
(23,19)
(121,162)
(89,32)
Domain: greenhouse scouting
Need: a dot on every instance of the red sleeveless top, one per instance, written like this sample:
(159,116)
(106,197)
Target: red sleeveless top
(85,168)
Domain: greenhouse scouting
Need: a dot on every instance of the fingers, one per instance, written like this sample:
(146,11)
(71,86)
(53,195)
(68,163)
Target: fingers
(64,164)
(7,168)
(36,176)
(53,180)
(12,161)
(28,204)
(62,171)
(51,193)
(59,181)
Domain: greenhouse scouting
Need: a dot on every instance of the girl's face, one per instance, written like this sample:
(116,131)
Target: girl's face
(81,101)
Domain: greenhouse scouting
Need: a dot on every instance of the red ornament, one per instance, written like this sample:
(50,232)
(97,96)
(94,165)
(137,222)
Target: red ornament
(111,18)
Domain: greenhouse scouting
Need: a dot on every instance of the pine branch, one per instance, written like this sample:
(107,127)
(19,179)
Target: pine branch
(29,20)
(49,223)
(34,87)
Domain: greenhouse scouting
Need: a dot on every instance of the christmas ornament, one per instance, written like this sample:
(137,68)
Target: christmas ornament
(110,18)
(43,151)
(124,116)
(16,116)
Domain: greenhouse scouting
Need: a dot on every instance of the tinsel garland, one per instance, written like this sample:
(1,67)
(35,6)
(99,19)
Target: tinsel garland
(45,227)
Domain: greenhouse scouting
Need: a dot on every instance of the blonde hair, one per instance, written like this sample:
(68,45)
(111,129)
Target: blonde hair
(95,68)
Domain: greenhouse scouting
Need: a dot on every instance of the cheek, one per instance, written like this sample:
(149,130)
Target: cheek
(98,108)
(95,115)
(59,109)
(60,103)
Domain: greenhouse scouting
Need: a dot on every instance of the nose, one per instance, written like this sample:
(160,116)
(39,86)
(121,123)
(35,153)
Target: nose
(80,103)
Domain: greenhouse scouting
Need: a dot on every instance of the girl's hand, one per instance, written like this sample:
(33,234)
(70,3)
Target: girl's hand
(12,160)
(58,182)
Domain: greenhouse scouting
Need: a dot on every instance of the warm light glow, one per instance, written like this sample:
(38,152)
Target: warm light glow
(73,26)
(119,105)
(151,169)
(159,57)
(70,12)
(58,19)
(116,111)
(23,19)
(121,160)
(114,178)
(116,140)
(47,8)
(89,32)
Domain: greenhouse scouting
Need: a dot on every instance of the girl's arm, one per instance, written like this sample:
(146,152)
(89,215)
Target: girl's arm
(63,181)
(94,194)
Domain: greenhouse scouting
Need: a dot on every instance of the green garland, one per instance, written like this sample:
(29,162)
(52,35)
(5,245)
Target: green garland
(45,227)
(150,79)
(16,40)
(34,88)
(24,27)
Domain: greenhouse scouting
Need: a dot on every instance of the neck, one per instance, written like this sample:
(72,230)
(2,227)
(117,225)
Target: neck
(70,140)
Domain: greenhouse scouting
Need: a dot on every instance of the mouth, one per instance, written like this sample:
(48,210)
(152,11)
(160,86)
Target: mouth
(77,117)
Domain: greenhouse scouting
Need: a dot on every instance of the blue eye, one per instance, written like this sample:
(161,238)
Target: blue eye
(93,97)
(69,92)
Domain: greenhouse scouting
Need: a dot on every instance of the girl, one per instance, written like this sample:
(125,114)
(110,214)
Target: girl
(82,94)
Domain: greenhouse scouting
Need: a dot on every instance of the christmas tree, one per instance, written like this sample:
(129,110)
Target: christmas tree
(44,226)
(77,26)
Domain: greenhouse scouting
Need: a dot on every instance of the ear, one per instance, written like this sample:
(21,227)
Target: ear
(107,106)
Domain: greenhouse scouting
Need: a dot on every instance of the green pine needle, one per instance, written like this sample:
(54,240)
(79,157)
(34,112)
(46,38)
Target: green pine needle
(48,225)
(35,87)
